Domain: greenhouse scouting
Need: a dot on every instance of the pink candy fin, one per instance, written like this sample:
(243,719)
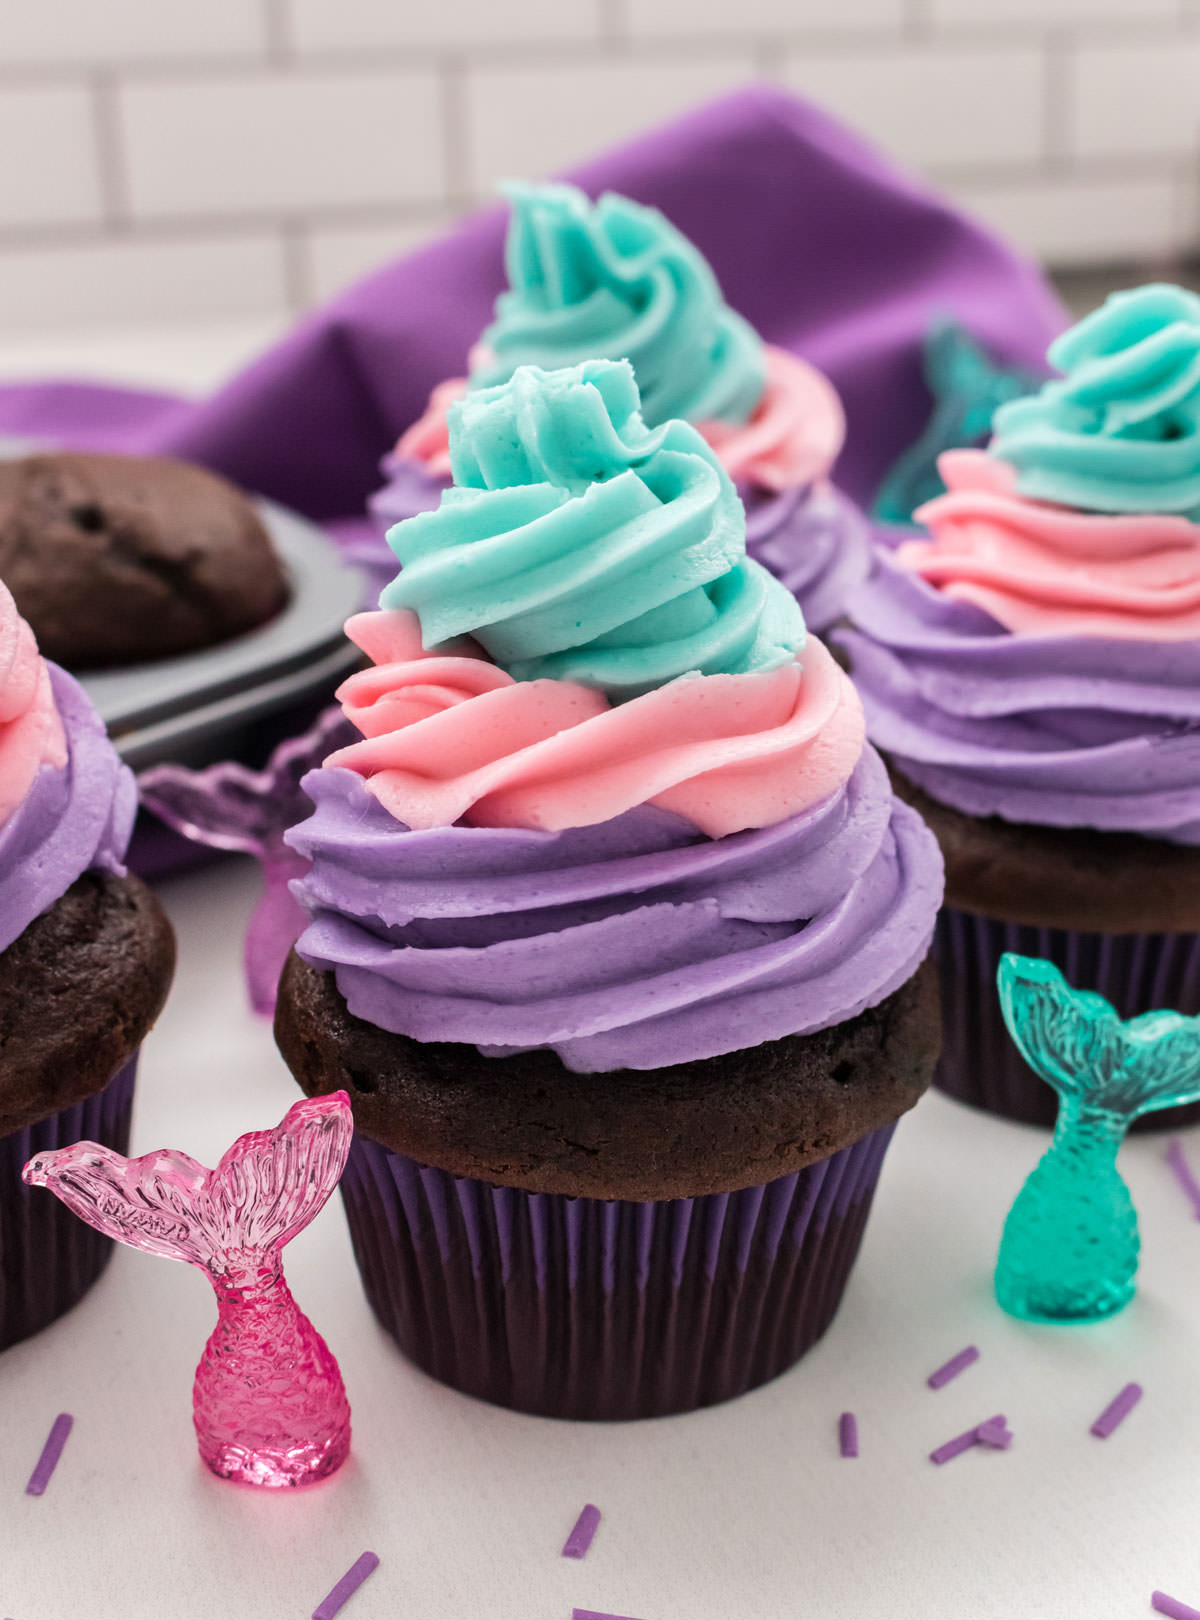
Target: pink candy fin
(268,1186)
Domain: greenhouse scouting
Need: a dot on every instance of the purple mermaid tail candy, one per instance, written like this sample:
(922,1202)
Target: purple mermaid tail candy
(268,1403)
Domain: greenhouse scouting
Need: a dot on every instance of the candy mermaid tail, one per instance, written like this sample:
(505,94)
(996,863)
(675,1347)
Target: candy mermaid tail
(1077,1043)
(269,1404)
(1070,1245)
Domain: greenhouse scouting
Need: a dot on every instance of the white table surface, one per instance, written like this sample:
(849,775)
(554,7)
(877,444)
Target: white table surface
(742,1512)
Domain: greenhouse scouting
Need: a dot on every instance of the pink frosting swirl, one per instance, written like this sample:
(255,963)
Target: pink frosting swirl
(794,435)
(31,732)
(449,737)
(790,441)
(1051,570)
(428,439)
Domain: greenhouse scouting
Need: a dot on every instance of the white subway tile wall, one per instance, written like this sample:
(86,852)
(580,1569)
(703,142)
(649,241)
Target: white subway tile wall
(243,158)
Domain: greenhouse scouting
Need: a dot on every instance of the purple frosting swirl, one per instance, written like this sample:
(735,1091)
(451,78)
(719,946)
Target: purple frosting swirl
(634,943)
(1062,731)
(815,541)
(813,538)
(71,821)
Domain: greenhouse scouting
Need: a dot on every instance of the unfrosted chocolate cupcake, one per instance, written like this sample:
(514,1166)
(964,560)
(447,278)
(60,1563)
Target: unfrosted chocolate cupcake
(86,959)
(619,962)
(119,560)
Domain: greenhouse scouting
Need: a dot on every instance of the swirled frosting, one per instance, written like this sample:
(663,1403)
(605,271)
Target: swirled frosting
(632,943)
(76,815)
(31,732)
(1120,432)
(803,530)
(451,737)
(585,841)
(1044,569)
(1063,730)
(616,280)
(793,436)
(577,544)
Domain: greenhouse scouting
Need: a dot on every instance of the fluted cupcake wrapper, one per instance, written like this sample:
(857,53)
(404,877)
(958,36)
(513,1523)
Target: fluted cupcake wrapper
(586,1308)
(49,1258)
(981,1066)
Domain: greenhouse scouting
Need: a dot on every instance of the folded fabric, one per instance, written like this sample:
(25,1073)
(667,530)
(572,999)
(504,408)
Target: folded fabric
(820,242)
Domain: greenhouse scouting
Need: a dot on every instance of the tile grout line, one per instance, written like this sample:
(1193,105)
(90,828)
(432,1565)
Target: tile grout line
(456,162)
(1058,90)
(296,247)
(110,152)
(277,22)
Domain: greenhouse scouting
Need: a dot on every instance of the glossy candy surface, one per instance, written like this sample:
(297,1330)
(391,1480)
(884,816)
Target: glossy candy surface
(268,1403)
(1070,1247)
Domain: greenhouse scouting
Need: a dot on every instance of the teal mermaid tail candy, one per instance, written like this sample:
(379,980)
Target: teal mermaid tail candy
(1070,1247)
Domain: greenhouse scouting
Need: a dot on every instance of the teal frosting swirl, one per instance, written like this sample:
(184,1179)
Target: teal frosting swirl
(618,281)
(580,544)
(1121,431)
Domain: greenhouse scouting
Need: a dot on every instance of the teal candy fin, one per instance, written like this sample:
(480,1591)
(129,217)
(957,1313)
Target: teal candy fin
(967,387)
(1079,1045)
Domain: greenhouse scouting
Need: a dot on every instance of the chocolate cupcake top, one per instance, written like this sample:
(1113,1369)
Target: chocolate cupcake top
(644,829)
(1036,659)
(118,560)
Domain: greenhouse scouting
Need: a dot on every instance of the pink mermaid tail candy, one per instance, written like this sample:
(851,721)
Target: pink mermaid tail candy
(268,1403)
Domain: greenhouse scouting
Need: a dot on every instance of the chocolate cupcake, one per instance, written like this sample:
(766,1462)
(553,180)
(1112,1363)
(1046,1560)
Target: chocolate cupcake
(617,928)
(1032,673)
(86,958)
(615,280)
(119,560)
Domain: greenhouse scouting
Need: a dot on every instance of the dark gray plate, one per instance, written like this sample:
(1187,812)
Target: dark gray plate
(196,708)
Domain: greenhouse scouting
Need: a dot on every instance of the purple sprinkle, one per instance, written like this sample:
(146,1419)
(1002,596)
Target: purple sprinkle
(963,1442)
(1117,1411)
(580,1539)
(350,1582)
(848,1434)
(994,1433)
(953,1367)
(1173,1607)
(51,1452)
(1182,1171)
(595,1614)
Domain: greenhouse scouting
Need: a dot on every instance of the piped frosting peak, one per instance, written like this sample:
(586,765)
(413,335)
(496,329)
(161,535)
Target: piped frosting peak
(581,545)
(1120,432)
(616,279)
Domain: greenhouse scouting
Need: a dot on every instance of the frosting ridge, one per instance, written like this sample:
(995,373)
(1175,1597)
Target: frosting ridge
(616,280)
(1042,569)
(632,943)
(1121,431)
(1062,730)
(451,737)
(579,544)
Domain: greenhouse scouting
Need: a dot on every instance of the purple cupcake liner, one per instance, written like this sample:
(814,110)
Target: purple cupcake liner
(981,1066)
(49,1258)
(586,1308)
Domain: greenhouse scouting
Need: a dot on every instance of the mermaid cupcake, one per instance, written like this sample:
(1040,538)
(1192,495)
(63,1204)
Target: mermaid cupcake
(86,958)
(1031,670)
(615,280)
(617,929)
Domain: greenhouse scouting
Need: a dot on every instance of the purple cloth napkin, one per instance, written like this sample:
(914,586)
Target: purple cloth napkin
(826,247)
